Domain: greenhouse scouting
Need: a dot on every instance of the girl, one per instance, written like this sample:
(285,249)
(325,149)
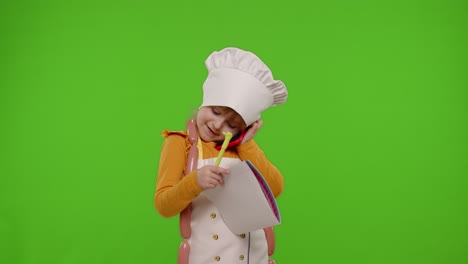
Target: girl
(238,88)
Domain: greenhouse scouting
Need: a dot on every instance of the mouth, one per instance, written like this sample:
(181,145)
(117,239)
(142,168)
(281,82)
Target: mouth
(211,131)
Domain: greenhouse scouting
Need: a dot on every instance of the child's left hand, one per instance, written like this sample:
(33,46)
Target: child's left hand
(252,130)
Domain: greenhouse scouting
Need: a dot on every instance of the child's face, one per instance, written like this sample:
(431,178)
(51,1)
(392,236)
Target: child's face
(212,121)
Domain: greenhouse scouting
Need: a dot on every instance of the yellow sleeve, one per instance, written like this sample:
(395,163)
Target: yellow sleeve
(252,152)
(174,191)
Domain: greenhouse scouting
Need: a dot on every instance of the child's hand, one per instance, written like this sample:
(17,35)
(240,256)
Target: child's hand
(252,130)
(209,176)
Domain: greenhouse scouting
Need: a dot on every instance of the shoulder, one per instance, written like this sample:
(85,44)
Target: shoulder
(175,139)
(169,133)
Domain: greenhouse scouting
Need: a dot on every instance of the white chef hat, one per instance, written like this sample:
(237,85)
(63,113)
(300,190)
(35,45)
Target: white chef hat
(240,80)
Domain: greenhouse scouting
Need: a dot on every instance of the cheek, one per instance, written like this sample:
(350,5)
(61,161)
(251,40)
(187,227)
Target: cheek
(197,119)
(202,115)
(232,131)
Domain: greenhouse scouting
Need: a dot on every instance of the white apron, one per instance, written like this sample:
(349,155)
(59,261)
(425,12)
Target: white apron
(212,242)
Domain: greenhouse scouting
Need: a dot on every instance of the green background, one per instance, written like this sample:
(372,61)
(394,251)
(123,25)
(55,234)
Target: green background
(372,141)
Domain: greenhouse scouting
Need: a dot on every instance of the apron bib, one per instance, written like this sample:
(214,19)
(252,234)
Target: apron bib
(212,242)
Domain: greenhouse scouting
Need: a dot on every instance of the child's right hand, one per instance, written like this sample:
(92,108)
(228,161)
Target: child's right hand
(210,176)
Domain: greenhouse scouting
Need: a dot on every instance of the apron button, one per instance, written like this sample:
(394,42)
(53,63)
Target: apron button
(241,257)
(217,258)
(213,215)
(215,237)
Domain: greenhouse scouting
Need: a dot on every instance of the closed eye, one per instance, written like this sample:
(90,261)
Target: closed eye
(215,111)
(232,126)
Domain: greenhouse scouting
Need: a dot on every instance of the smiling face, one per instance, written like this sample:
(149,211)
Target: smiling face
(212,121)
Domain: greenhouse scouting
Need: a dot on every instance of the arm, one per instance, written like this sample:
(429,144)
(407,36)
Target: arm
(174,191)
(251,151)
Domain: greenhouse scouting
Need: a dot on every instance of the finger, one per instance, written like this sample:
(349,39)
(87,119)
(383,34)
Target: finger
(220,170)
(210,186)
(259,123)
(219,178)
(254,129)
(214,182)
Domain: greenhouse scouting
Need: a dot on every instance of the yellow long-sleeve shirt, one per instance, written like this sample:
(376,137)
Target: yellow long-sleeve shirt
(174,191)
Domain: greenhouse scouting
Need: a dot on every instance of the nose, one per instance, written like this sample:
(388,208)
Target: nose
(218,123)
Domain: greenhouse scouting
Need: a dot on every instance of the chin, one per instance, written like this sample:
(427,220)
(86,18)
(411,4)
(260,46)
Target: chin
(208,138)
(204,138)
